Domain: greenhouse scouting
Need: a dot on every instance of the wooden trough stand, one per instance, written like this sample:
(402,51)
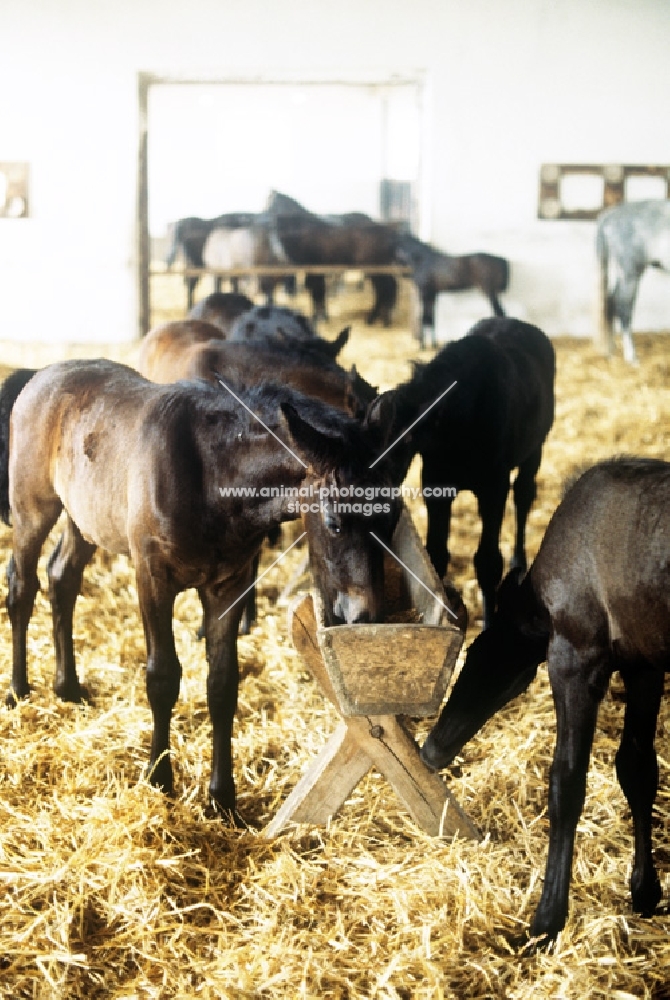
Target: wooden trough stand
(374,675)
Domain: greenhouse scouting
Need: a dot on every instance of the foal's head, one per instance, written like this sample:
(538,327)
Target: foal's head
(347,517)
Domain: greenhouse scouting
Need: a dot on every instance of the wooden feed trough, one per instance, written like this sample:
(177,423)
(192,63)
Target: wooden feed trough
(374,675)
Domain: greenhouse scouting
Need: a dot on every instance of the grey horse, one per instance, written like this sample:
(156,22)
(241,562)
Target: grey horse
(629,238)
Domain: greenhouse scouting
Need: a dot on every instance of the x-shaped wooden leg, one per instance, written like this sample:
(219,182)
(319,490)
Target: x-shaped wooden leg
(359,743)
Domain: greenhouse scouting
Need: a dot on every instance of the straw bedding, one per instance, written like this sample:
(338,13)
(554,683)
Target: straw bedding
(110,890)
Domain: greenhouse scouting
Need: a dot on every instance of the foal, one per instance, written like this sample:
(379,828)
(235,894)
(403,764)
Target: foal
(596,600)
(139,470)
(482,407)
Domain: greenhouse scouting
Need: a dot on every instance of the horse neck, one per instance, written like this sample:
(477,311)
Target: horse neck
(264,474)
(427,395)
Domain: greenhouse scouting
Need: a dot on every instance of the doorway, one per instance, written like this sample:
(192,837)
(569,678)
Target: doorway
(208,147)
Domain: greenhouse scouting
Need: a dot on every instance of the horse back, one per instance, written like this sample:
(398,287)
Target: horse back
(488,272)
(78,422)
(124,457)
(246,364)
(162,348)
(603,569)
(526,379)
(634,235)
(529,347)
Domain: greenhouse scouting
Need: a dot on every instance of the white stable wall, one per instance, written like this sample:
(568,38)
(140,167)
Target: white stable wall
(508,86)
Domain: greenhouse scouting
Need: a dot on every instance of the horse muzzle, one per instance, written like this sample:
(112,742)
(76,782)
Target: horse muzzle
(434,756)
(352,610)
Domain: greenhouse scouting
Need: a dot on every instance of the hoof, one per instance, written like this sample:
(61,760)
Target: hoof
(536,945)
(227,815)
(433,757)
(223,799)
(544,930)
(160,774)
(13,697)
(76,694)
(646,898)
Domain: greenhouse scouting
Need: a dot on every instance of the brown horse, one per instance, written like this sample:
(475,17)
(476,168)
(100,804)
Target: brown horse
(164,343)
(265,325)
(596,600)
(184,350)
(147,470)
(434,271)
(349,240)
(174,351)
(188,349)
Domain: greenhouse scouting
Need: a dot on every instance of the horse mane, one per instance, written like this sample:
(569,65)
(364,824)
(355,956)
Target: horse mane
(464,360)
(625,468)
(354,446)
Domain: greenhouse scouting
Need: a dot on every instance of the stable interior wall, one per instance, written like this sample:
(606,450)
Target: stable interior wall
(506,87)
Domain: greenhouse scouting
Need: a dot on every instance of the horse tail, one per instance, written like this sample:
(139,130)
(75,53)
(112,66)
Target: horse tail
(500,283)
(495,305)
(173,248)
(504,273)
(9,390)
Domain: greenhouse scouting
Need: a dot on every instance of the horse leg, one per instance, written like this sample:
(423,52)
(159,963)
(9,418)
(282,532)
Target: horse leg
(624,296)
(637,771)
(375,312)
(578,687)
(249,613)
(316,286)
(249,608)
(22,587)
(488,558)
(385,289)
(222,618)
(163,674)
(190,291)
(438,513)
(267,286)
(524,492)
(389,298)
(65,570)
(428,319)
(605,305)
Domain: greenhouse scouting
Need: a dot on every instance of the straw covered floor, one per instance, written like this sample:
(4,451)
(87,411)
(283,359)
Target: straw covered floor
(108,889)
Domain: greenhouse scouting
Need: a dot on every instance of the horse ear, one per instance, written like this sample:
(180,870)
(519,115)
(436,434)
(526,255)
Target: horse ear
(357,393)
(381,415)
(335,346)
(455,602)
(351,402)
(362,383)
(517,602)
(312,444)
(507,597)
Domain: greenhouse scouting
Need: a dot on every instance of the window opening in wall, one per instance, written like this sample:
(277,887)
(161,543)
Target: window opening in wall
(639,187)
(582,191)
